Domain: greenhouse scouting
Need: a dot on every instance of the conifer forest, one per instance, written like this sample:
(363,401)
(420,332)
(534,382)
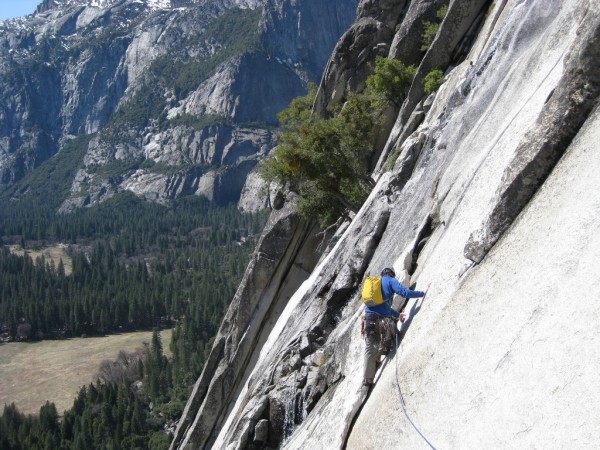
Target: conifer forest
(134,265)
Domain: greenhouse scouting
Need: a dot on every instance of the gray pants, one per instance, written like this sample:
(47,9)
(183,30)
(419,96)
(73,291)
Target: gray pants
(380,333)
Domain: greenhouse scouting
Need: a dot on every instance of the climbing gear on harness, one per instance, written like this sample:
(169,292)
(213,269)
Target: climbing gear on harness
(383,329)
(388,333)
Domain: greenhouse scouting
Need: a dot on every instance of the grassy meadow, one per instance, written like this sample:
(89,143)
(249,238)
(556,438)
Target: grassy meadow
(54,253)
(55,370)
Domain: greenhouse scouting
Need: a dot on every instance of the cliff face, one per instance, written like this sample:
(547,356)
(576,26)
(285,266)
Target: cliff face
(486,194)
(180,97)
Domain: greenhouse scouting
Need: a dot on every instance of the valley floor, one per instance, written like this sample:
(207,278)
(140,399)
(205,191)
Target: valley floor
(55,370)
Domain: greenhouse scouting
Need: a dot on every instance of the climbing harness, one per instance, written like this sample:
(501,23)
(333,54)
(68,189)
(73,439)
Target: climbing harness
(383,327)
(397,356)
(387,329)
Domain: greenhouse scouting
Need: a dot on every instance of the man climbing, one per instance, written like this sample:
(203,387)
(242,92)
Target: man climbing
(380,322)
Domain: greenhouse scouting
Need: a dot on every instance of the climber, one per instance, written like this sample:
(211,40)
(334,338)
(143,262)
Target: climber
(380,322)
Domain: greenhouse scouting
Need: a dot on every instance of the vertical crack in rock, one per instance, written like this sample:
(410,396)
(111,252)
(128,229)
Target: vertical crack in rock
(244,324)
(424,234)
(404,164)
(308,365)
(345,280)
(564,113)
(457,30)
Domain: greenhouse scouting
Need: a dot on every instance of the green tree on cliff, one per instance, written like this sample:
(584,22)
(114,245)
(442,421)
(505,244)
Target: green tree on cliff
(325,160)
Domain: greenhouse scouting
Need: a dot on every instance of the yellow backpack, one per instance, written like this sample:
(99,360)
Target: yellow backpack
(371,292)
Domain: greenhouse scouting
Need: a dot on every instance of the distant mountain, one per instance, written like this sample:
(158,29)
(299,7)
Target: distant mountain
(178,97)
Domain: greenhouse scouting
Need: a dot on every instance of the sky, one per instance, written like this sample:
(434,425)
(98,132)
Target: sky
(17,8)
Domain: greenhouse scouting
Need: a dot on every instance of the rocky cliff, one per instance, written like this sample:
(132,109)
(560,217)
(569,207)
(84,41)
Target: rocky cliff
(178,97)
(486,194)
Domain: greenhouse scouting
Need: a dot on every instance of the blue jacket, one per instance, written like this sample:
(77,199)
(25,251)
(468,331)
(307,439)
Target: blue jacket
(389,286)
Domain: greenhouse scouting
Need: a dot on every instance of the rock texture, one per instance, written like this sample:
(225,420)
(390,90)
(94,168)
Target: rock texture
(181,96)
(284,258)
(485,194)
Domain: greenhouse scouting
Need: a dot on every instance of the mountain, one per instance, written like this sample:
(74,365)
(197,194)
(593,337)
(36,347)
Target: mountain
(486,194)
(177,97)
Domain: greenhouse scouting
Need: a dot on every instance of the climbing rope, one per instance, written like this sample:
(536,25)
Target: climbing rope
(402,397)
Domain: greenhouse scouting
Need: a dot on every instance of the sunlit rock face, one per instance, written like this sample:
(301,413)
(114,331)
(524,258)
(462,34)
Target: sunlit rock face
(486,195)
